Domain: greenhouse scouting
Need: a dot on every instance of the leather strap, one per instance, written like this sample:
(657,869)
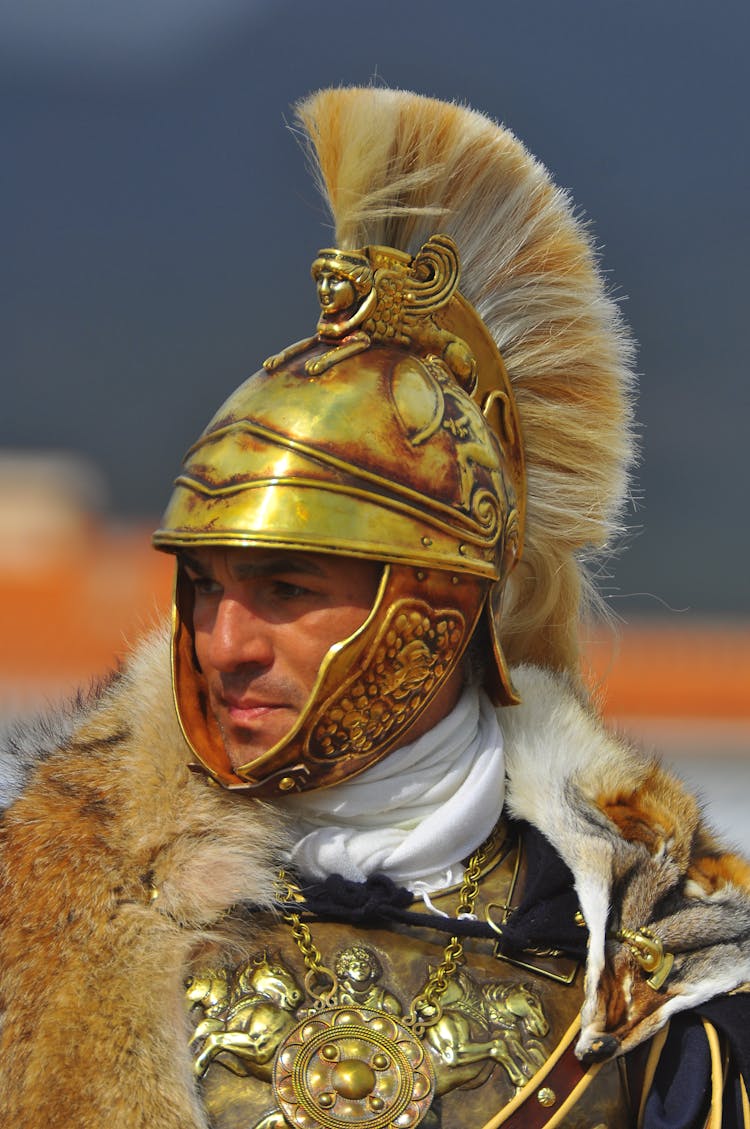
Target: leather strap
(560,1076)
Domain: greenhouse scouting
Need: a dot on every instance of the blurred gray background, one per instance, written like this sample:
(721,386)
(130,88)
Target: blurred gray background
(158,223)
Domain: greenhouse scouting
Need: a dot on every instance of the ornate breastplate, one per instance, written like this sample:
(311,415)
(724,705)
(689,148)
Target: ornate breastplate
(492,1046)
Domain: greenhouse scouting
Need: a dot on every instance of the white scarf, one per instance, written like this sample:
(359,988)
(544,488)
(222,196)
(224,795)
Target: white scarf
(414,815)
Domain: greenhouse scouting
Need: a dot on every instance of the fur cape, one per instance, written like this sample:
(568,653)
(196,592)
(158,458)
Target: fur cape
(118,867)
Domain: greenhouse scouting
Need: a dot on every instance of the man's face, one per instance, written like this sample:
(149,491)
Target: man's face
(263,621)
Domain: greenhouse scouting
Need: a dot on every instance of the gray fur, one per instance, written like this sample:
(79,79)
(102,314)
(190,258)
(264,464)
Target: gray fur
(26,742)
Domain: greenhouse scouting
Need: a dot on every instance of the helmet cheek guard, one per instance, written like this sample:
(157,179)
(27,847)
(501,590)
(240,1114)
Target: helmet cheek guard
(391,435)
(370,690)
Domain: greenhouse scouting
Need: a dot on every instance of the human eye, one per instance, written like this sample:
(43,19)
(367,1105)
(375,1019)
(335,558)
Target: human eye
(288,590)
(203,585)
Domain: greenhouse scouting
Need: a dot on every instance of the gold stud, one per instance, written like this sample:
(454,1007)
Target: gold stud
(546,1096)
(286,783)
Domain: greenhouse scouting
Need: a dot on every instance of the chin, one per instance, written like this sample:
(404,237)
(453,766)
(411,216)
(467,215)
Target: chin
(243,750)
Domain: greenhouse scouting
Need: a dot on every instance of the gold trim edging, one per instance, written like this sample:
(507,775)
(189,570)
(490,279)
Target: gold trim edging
(745,1104)
(654,1054)
(533,1084)
(574,1096)
(716,1115)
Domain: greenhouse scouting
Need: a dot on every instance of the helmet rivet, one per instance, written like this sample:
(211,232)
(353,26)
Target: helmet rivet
(427,541)
(454,580)
(421,575)
(462,550)
(286,783)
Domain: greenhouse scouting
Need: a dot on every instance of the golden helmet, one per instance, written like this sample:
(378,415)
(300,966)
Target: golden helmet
(394,432)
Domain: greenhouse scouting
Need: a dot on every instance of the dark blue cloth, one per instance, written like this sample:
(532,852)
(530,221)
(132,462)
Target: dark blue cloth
(681,1092)
(680,1097)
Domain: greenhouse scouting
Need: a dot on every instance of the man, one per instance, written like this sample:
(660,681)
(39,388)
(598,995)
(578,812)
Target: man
(374,656)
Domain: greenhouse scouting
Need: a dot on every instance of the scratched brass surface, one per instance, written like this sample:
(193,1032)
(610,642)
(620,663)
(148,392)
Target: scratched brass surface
(391,434)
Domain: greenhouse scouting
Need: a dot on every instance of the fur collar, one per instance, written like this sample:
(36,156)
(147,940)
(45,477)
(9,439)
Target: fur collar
(640,855)
(118,867)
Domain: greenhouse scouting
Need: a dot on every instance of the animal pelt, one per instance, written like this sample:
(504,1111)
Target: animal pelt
(640,855)
(117,866)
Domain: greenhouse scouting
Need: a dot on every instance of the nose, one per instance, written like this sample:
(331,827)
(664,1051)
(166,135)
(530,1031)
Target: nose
(238,637)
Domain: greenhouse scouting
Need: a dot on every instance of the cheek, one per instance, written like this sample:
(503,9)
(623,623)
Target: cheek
(200,646)
(313,636)
(203,622)
(305,652)
(353,618)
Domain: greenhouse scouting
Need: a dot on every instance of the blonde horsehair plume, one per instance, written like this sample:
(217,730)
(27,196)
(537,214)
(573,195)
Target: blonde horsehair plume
(396,168)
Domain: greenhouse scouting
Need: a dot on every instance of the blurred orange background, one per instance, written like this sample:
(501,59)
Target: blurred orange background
(75,592)
(77,589)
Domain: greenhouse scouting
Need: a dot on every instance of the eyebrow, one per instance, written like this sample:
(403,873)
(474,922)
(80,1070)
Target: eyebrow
(281,562)
(186,561)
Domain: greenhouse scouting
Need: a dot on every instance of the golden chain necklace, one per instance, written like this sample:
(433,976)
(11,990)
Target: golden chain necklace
(425,1010)
(335,1062)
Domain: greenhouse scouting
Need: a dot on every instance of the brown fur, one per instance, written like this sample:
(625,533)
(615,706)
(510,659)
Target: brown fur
(714,872)
(91,968)
(659,813)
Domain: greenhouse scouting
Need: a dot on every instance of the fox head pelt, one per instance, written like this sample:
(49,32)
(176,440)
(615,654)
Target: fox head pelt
(666,906)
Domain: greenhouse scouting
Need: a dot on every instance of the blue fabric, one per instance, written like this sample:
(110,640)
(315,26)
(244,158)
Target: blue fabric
(681,1092)
(731,1016)
(680,1097)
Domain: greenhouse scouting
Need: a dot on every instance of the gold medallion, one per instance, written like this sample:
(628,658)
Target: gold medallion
(353,1066)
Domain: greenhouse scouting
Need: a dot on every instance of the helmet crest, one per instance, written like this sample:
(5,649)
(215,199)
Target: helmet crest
(396,433)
